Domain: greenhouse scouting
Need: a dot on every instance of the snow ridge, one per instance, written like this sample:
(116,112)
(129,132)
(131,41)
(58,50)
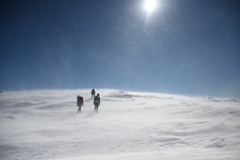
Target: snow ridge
(129,125)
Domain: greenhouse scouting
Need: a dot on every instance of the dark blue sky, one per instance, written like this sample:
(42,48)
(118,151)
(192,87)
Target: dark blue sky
(186,47)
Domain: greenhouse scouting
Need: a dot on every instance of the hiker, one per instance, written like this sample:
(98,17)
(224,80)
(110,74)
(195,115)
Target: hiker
(80,103)
(93,93)
(96,102)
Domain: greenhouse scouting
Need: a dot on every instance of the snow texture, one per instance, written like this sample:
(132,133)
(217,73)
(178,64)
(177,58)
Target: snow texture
(44,124)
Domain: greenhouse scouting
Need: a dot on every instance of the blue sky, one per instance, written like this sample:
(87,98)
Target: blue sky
(188,47)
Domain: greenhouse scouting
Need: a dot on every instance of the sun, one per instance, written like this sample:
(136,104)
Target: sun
(150,5)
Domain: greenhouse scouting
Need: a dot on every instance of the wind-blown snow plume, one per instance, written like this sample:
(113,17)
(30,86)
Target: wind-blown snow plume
(129,125)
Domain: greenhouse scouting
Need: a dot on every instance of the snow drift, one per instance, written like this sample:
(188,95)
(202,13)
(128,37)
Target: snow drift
(44,124)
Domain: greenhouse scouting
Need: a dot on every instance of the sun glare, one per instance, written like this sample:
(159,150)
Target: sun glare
(150,5)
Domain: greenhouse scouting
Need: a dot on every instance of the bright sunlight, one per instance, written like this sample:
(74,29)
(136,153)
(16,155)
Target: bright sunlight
(150,5)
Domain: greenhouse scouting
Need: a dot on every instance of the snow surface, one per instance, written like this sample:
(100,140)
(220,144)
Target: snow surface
(45,125)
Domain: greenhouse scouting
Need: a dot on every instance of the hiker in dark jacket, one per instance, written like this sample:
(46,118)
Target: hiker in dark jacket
(80,103)
(93,93)
(96,102)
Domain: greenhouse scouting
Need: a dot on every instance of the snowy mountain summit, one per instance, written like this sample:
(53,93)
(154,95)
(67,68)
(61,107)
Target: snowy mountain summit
(44,124)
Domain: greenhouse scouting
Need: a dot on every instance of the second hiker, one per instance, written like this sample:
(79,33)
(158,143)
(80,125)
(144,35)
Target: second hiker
(96,102)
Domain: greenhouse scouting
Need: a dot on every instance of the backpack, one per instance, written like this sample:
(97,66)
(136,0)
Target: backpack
(79,100)
(96,99)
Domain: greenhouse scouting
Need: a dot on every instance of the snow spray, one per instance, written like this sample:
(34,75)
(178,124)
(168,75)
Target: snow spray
(73,117)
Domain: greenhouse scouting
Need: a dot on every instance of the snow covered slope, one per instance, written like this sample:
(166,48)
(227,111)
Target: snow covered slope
(44,124)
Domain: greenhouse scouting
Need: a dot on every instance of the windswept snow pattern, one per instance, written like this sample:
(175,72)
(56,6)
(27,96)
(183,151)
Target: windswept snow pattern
(44,124)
